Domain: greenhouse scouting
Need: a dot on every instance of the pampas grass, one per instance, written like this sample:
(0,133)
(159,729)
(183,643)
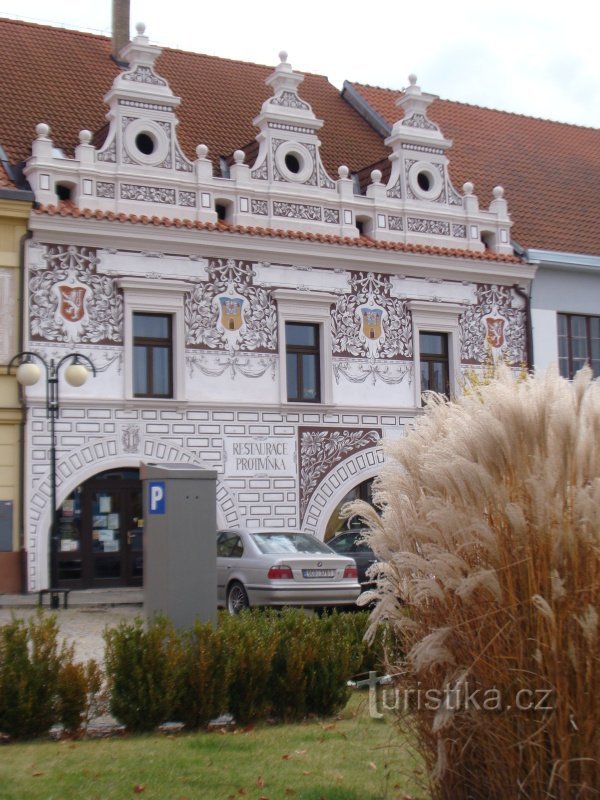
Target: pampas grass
(490,548)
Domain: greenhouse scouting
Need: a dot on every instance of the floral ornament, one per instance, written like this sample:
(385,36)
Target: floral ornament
(102,322)
(321,448)
(371,290)
(494,324)
(232,279)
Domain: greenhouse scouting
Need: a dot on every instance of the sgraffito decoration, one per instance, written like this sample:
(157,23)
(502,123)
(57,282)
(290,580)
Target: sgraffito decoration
(322,448)
(494,325)
(368,321)
(228,312)
(232,321)
(70,302)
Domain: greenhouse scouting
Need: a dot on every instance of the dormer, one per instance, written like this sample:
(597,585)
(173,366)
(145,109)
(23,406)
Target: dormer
(419,164)
(142,114)
(289,147)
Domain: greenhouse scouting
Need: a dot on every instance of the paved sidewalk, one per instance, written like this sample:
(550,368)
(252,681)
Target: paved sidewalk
(84,621)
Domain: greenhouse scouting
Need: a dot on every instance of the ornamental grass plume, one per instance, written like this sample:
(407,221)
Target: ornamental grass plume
(490,546)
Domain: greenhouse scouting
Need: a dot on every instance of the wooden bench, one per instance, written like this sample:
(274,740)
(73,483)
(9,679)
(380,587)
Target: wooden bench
(54,595)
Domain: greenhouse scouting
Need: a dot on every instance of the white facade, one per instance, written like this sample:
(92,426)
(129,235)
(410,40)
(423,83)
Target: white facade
(140,235)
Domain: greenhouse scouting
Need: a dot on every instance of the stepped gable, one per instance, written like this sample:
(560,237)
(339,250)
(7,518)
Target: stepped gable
(549,170)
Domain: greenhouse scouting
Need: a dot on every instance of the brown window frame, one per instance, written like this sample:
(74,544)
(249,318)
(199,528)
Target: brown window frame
(300,350)
(436,358)
(567,360)
(149,343)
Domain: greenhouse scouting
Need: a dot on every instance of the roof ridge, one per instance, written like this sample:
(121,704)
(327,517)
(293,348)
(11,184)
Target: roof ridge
(71,210)
(49,26)
(399,92)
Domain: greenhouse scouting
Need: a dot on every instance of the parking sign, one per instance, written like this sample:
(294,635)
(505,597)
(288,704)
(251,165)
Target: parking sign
(156,497)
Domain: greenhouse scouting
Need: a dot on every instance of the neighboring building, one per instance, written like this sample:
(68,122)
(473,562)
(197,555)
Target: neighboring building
(15,207)
(257,313)
(551,174)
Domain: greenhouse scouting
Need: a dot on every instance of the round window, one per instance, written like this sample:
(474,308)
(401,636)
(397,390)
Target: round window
(292,162)
(425,180)
(145,143)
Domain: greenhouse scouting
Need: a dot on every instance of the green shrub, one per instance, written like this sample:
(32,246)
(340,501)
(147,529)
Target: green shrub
(79,694)
(252,638)
(205,671)
(296,649)
(144,672)
(31,666)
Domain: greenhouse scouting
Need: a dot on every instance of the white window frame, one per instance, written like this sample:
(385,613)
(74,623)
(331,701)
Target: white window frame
(313,308)
(437,318)
(147,296)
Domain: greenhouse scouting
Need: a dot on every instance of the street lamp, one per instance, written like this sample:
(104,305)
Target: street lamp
(76,373)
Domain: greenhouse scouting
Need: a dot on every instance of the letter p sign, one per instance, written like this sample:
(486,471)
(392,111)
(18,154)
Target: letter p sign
(156,497)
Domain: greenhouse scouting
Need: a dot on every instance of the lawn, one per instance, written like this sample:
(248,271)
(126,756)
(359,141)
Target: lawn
(351,757)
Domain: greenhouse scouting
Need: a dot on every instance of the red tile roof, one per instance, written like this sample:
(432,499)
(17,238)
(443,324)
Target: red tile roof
(68,209)
(550,171)
(61,76)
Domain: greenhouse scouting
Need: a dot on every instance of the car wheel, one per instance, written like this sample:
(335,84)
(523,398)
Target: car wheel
(237,599)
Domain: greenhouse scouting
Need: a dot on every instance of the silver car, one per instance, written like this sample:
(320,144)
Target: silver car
(267,567)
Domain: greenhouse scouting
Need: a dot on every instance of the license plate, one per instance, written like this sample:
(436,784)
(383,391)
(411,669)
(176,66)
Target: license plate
(318,573)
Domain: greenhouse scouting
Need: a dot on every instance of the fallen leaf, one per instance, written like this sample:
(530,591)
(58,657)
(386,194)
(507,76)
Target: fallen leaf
(290,792)
(138,788)
(260,782)
(330,727)
(286,757)
(242,792)
(306,772)
(373,765)
(36,774)
(301,752)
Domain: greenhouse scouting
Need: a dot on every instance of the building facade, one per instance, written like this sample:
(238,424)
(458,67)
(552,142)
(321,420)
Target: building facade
(15,207)
(274,322)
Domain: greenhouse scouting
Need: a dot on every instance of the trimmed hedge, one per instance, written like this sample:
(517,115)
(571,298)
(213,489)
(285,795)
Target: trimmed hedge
(255,665)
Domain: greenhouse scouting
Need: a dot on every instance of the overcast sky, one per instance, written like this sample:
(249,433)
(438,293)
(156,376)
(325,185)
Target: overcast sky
(534,57)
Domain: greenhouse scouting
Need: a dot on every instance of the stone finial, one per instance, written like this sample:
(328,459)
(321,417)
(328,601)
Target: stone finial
(85,136)
(283,56)
(498,192)
(412,79)
(376,176)
(468,188)
(239,156)
(343,171)
(201,151)
(42,130)
(140,28)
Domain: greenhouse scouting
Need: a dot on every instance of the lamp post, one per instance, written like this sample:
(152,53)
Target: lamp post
(76,373)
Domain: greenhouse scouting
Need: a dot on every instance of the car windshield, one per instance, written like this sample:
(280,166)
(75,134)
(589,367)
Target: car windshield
(270,543)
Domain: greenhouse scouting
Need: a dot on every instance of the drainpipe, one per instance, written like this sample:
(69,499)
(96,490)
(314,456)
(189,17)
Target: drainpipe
(528,327)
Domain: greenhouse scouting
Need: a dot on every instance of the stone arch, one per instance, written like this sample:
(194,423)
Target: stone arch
(336,484)
(77,466)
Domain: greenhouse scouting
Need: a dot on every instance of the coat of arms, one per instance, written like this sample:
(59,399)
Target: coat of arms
(371,322)
(495,332)
(231,312)
(71,311)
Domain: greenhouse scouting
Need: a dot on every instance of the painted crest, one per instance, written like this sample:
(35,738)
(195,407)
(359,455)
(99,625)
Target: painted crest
(71,298)
(495,332)
(371,322)
(231,312)
(71,312)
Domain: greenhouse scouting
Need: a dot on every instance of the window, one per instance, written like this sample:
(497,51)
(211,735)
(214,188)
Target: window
(436,346)
(229,545)
(578,343)
(152,355)
(153,338)
(302,356)
(434,370)
(304,335)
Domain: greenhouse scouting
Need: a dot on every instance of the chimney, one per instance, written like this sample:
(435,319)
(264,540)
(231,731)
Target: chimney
(120,28)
